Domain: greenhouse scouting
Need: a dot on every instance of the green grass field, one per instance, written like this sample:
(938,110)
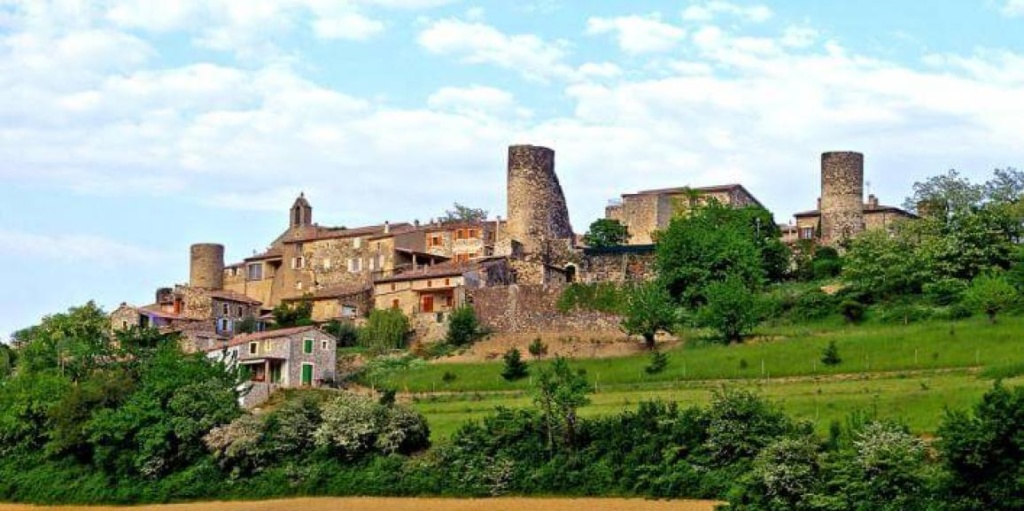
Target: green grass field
(911,373)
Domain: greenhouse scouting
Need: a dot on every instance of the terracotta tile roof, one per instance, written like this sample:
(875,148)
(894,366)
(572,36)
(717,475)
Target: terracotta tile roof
(699,189)
(155,310)
(239,340)
(438,270)
(339,291)
(224,294)
(326,233)
(271,253)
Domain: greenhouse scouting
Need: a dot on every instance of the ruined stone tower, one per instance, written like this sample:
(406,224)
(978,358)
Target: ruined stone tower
(842,196)
(207,266)
(538,217)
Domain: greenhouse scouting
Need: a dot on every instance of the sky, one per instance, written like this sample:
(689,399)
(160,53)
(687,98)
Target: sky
(130,129)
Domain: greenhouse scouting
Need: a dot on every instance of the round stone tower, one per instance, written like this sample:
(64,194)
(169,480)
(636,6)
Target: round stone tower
(207,266)
(842,196)
(537,212)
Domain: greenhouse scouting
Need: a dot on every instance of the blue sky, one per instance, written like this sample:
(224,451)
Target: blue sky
(130,129)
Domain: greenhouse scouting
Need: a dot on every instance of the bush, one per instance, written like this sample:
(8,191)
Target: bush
(991,294)
(944,292)
(346,332)
(732,310)
(538,348)
(601,297)
(354,426)
(385,330)
(659,361)
(826,263)
(830,355)
(463,327)
(904,314)
(814,304)
(852,311)
(515,368)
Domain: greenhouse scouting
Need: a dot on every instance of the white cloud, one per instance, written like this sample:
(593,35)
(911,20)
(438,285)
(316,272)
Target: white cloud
(1013,8)
(479,43)
(474,99)
(799,37)
(352,26)
(707,11)
(599,70)
(639,34)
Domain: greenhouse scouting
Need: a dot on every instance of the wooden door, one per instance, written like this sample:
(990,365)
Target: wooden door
(307,374)
(428,304)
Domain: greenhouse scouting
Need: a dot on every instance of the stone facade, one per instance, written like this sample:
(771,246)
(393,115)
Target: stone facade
(647,212)
(842,196)
(631,263)
(206,268)
(533,309)
(537,213)
(277,359)
(842,212)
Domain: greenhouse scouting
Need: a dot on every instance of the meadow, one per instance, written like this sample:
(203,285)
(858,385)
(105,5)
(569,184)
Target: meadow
(908,372)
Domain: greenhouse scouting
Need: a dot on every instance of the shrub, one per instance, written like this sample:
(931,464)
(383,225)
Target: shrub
(354,426)
(515,368)
(826,263)
(537,348)
(649,310)
(904,314)
(814,304)
(945,291)
(830,355)
(448,377)
(601,297)
(991,294)
(732,310)
(385,330)
(659,361)
(346,332)
(463,327)
(853,311)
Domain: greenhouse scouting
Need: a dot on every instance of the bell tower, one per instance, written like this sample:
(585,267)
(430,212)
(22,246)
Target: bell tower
(301,213)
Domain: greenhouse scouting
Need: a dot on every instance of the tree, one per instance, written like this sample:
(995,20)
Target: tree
(386,329)
(830,355)
(462,213)
(944,195)
(463,327)
(707,245)
(649,310)
(732,309)
(991,294)
(826,263)
(515,368)
(73,343)
(537,348)
(606,232)
(295,313)
(7,361)
(983,452)
(559,391)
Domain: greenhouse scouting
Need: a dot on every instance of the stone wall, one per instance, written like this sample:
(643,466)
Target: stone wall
(123,318)
(617,265)
(530,309)
(537,211)
(842,196)
(206,268)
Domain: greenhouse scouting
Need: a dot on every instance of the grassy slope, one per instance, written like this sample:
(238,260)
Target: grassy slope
(908,372)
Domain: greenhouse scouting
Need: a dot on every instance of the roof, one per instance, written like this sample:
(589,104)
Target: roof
(339,291)
(239,340)
(439,270)
(231,296)
(699,189)
(326,233)
(866,209)
(154,310)
(270,253)
(621,249)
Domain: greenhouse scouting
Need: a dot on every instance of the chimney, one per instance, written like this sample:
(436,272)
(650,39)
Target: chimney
(819,203)
(387,227)
(416,223)
(872,201)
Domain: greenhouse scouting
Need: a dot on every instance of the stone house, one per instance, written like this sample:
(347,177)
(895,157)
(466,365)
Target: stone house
(277,359)
(646,212)
(342,302)
(462,241)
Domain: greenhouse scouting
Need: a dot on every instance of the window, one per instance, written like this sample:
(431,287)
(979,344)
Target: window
(474,233)
(392,286)
(298,263)
(256,271)
(241,311)
(447,282)
(461,258)
(254,348)
(298,285)
(436,241)
(357,243)
(327,263)
(449,301)
(224,310)
(460,234)
(806,233)
(394,304)
(380,262)
(124,325)
(430,283)
(324,345)
(371,263)
(307,346)
(355,265)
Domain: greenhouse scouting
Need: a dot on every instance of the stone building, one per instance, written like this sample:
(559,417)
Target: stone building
(646,212)
(287,358)
(462,241)
(842,212)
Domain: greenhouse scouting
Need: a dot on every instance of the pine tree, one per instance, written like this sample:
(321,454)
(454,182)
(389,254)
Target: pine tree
(515,368)
(830,355)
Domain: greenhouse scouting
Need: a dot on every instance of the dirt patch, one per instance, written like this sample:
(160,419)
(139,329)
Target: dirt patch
(580,345)
(385,504)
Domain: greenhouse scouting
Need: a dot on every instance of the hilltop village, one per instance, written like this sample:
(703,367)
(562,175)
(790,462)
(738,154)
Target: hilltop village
(510,270)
